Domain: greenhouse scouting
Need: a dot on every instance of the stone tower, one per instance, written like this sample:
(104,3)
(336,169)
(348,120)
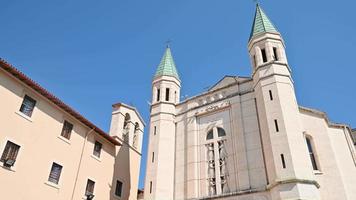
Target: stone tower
(159,182)
(289,171)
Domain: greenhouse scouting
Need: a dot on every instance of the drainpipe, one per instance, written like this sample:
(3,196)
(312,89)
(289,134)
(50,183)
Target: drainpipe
(80,160)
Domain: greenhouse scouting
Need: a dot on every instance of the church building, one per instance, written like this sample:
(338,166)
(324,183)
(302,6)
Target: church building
(245,138)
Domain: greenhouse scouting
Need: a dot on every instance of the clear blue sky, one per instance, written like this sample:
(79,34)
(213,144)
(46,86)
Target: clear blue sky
(92,54)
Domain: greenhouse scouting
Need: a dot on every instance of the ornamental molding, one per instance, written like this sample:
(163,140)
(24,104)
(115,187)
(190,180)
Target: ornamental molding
(213,108)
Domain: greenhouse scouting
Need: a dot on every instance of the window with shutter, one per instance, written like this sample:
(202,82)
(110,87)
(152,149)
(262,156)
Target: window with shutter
(118,189)
(97,149)
(67,130)
(28,104)
(55,174)
(9,154)
(90,187)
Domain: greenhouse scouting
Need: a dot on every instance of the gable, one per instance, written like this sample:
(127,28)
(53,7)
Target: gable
(227,80)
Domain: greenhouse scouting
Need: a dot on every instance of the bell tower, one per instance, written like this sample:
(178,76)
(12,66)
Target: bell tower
(159,182)
(289,171)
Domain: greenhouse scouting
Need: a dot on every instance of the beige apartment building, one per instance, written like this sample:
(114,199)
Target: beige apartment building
(50,151)
(246,138)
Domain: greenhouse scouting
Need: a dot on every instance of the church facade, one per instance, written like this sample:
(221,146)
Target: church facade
(246,137)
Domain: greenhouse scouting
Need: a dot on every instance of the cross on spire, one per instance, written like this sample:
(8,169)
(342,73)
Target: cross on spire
(168,43)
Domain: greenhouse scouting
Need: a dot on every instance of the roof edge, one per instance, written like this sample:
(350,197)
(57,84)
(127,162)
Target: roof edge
(131,108)
(21,77)
(325,116)
(212,91)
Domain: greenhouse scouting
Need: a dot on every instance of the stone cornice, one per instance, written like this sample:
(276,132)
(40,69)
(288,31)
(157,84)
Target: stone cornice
(262,189)
(293,180)
(213,91)
(270,63)
(265,36)
(210,103)
(325,117)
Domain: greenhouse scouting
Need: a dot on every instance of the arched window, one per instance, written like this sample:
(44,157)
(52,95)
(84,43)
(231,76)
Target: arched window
(135,136)
(311,153)
(217,161)
(210,135)
(221,132)
(126,128)
(127,120)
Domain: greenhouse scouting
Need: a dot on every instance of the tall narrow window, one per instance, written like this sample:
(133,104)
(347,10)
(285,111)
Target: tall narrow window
(283,161)
(254,61)
(210,135)
(175,96)
(270,95)
(167,94)
(55,173)
(67,130)
(126,128)
(153,157)
(275,55)
(9,154)
(150,187)
(118,189)
(217,158)
(311,154)
(154,130)
(276,125)
(158,94)
(28,104)
(264,55)
(97,149)
(135,136)
(89,189)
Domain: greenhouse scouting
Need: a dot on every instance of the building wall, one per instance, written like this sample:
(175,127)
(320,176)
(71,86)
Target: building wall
(337,171)
(234,109)
(237,115)
(161,147)
(41,144)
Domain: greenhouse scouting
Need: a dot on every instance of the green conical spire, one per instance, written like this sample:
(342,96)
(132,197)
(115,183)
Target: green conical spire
(167,67)
(261,23)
